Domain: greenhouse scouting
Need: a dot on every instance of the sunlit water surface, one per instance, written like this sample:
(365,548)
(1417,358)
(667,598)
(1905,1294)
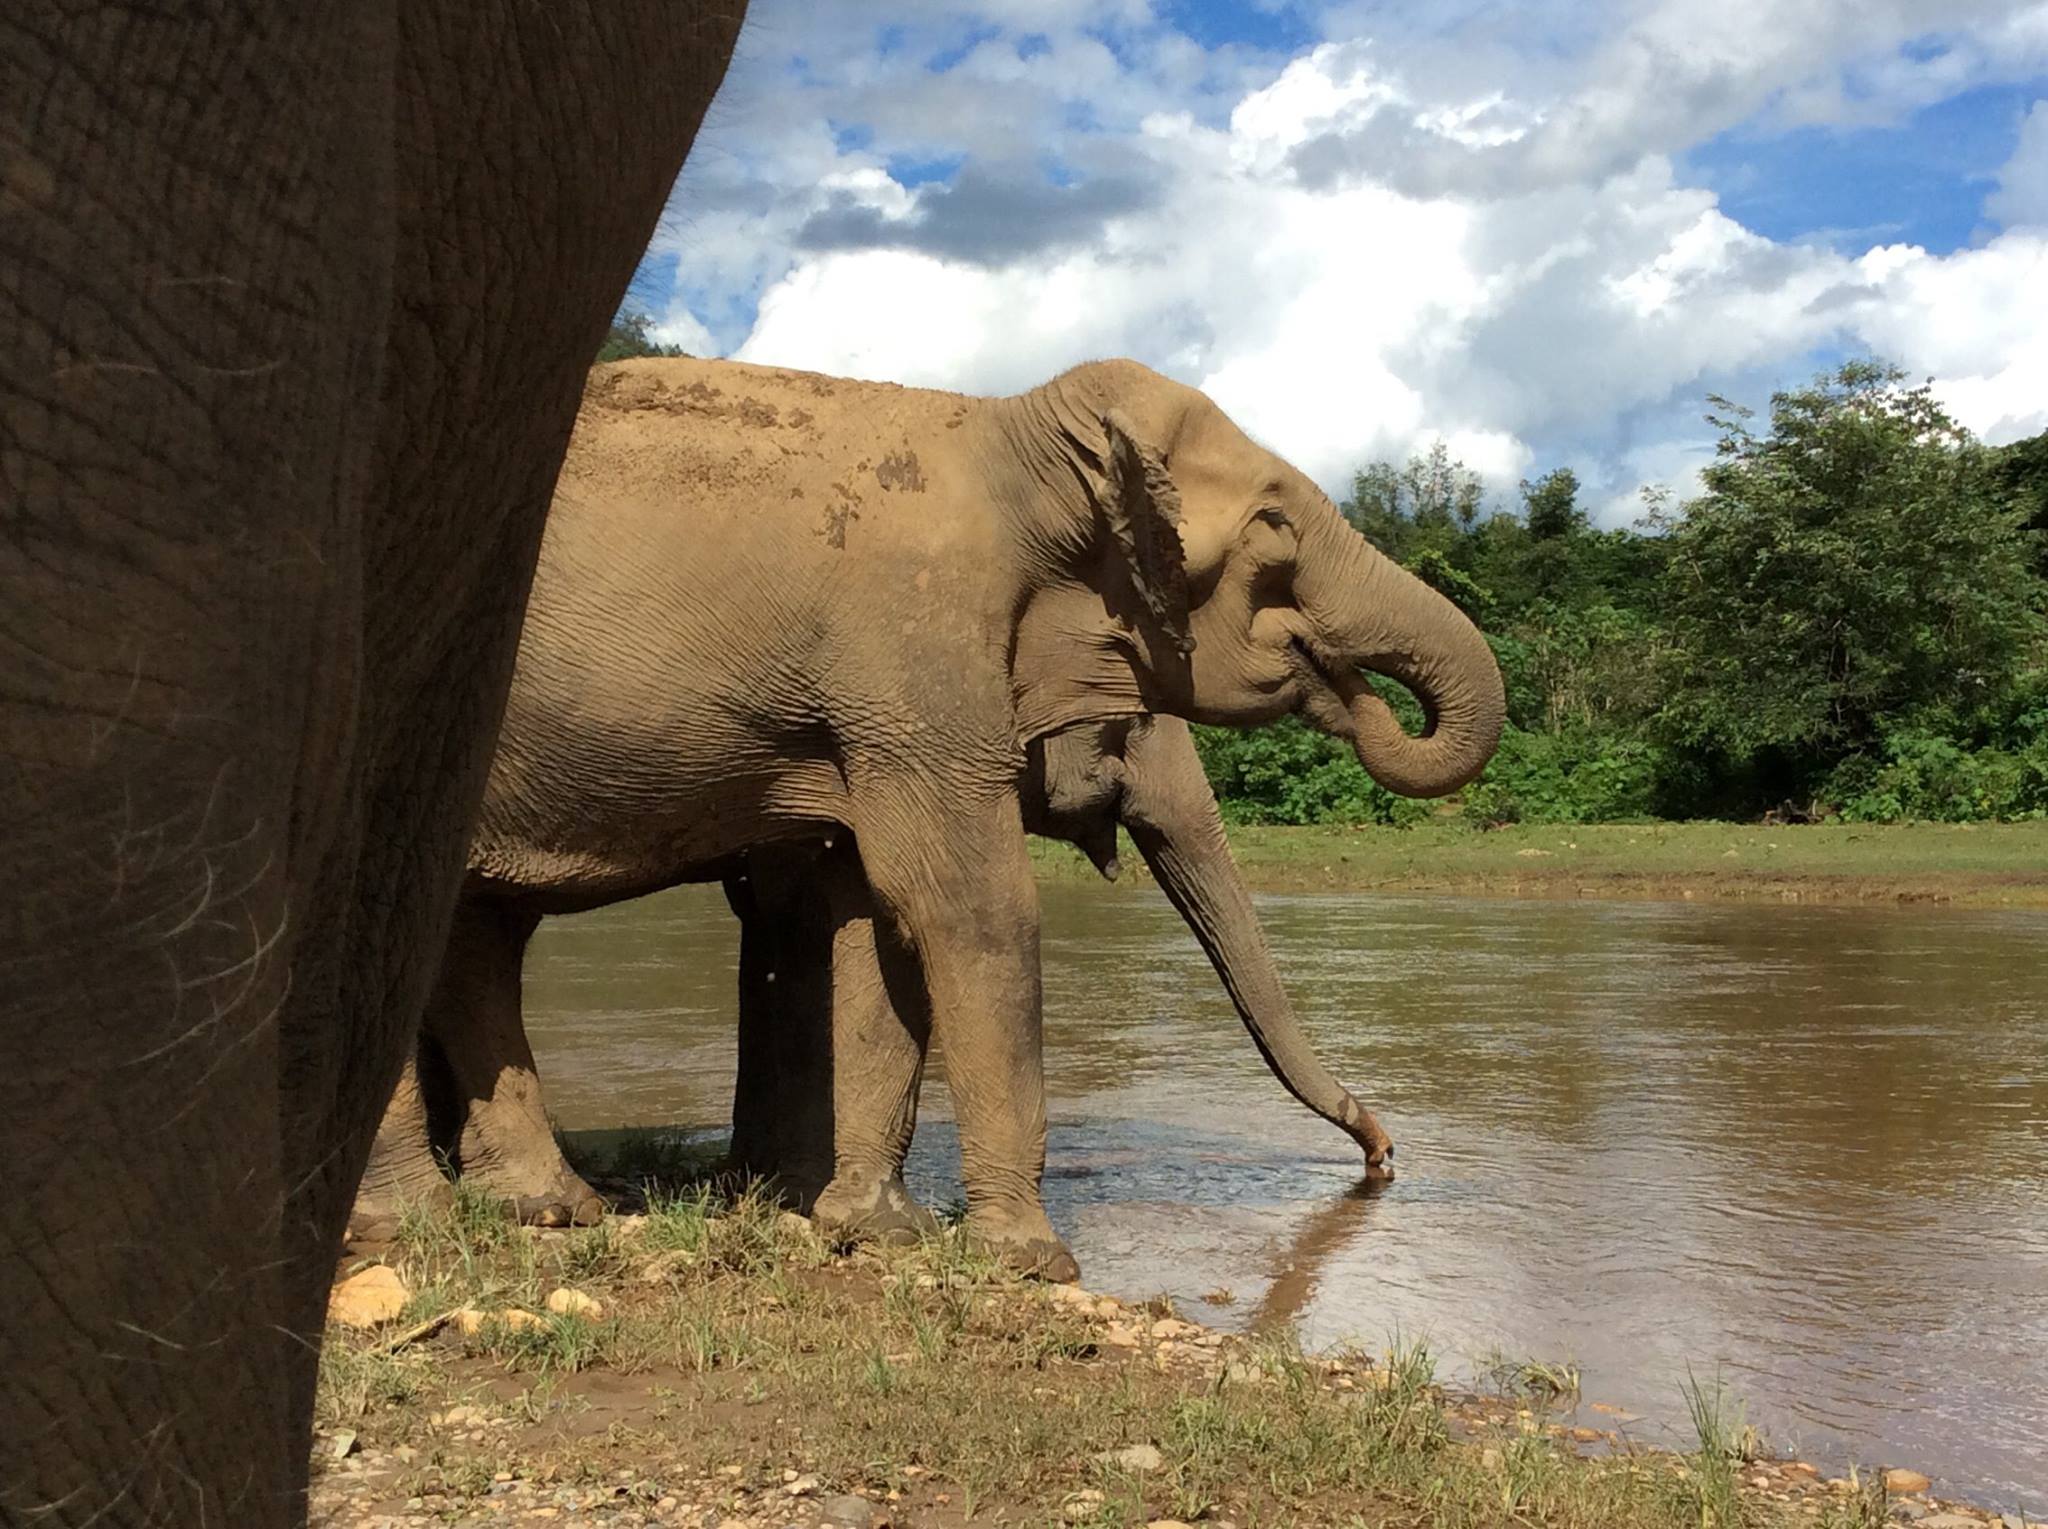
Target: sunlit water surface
(1803,1148)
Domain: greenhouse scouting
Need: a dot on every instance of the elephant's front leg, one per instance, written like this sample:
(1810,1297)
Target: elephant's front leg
(957,881)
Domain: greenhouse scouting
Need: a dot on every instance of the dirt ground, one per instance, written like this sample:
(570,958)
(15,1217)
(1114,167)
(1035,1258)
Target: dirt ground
(709,1361)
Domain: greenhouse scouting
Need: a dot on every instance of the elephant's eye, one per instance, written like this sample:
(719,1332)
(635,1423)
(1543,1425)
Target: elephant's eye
(1275,517)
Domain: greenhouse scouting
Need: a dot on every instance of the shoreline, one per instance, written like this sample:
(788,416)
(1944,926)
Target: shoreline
(715,1362)
(1978,865)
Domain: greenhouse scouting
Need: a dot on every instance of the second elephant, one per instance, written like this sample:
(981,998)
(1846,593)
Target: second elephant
(772,605)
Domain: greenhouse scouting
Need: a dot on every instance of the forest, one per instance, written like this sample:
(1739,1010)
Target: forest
(1846,622)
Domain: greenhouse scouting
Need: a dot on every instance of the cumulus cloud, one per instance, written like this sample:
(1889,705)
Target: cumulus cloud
(1357,250)
(2022,195)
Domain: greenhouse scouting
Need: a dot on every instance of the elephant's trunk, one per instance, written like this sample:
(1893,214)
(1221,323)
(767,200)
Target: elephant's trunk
(1171,816)
(1369,613)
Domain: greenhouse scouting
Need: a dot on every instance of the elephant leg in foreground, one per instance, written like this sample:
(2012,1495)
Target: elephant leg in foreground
(300,306)
(833,1029)
(474,1092)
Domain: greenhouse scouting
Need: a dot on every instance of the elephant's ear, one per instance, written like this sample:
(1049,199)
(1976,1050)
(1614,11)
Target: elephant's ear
(1142,509)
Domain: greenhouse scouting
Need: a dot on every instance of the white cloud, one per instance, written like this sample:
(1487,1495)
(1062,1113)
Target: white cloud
(2022,196)
(1516,270)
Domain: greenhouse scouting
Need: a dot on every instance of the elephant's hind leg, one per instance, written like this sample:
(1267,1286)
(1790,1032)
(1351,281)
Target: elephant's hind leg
(502,1140)
(831,1046)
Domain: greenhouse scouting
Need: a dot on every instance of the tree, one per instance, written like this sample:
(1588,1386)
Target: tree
(1422,506)
(1856,563)
(1550,505)
(2021,470)
(630,336)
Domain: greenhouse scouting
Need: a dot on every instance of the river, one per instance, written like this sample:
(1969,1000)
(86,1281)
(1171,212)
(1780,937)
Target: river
(1801,1149)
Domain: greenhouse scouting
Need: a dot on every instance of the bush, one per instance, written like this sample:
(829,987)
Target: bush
(1289,773)
(1928,777)
(1577,776)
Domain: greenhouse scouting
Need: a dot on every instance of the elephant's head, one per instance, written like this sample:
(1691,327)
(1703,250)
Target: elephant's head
(1250,595)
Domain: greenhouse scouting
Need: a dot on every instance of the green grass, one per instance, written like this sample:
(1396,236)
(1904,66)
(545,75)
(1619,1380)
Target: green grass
(1983,863)
(734,1347)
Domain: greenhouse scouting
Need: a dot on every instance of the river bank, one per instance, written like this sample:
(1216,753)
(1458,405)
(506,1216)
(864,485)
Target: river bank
(1976,864)
(713,1363)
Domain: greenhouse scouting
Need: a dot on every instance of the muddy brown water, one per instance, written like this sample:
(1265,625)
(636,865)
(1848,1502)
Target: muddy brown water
(1805,1149)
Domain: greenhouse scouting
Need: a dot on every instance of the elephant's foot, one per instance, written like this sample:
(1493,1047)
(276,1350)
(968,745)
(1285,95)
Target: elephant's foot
(1023,1239)
(872,1210)
(560,1199)
(381,1207)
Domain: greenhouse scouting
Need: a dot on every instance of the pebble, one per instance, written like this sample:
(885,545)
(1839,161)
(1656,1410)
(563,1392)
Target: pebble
(1133,1457)
(1081,1505)
(1951,1521)
(1903,1482)
(1169,1523)
(848,1509)
(801,1486)
(565,1302)
(1119,1335)
(374,1296)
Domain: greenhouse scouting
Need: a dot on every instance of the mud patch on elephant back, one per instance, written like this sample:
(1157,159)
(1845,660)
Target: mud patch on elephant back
(842,511)
(900,470)
(762,416)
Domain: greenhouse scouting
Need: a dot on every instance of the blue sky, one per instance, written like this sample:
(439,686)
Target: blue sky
(1542,231)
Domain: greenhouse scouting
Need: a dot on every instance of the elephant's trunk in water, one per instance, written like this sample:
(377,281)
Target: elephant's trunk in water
(1176,827)
(1369,613)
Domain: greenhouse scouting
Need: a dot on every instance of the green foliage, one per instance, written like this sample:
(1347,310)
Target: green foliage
(1849,618)
(1855,562)
(1581,775)
(1289,773)
(630,336)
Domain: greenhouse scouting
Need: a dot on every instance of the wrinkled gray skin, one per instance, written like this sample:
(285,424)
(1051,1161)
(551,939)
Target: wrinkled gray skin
(833,1018)
(298,303)
(833,1024)
(771,603)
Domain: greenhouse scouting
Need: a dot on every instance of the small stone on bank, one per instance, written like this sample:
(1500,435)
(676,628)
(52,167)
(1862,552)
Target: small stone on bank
(1903,1483)
(1133,1457)
(375,1296)
(848,1509)
(574,1303)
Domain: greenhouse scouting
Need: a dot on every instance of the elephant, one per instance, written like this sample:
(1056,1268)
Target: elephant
(300,302)
(833,1022)
(772,604)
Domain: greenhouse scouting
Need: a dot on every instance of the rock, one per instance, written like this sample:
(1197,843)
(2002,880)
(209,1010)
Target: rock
(565,1302)
(1119,1335)
(802,1486)
(1594,1436)
(1168,1327)
(1532,854)
(512,1319)
(1168,1523)
(1904,1483)
(1133,1457)
(1108,1306)
(791,1223)
(1951,1521)
(1760,1481)
(367,1299)
(341,1445)
(457,1417)
(1801,1468)
(1070,1295)
(848,1509)
(662,1265)
(1081,1505)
